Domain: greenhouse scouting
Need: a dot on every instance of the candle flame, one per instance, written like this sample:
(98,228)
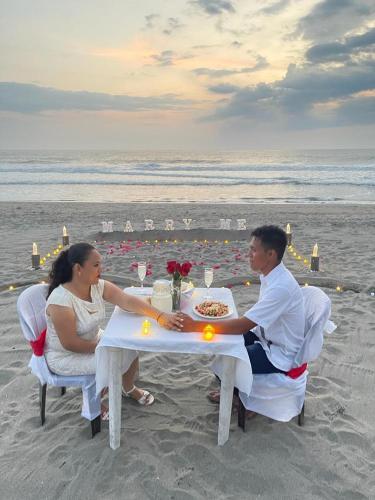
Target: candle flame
(315,252)
(65,231)
(146,327)
(35,249)
(288,231)
(208,332)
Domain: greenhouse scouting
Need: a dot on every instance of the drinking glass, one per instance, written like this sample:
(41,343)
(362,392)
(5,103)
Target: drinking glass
(208,279)
(142,268)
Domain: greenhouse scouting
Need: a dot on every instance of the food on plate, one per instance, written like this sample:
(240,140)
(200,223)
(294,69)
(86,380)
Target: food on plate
(212,308)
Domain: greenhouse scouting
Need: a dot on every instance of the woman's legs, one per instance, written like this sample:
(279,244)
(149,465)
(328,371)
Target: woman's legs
(128,382)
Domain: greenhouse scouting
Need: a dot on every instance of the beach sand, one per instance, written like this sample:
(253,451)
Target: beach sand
(169,451)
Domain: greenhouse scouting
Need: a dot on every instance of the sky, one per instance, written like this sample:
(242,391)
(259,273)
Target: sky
(187,74)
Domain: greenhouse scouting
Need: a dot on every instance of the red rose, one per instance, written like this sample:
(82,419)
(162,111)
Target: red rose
(185,268)
(171,266)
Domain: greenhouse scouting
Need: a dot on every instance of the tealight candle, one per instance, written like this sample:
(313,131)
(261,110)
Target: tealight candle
(314,261)
(146,327)
(208,332)
(65,238)
(35,257)
(288,235)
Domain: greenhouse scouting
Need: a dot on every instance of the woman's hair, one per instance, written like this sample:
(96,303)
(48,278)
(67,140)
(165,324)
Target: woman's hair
(62,267)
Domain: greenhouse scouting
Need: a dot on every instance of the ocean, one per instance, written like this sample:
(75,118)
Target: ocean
(314,176)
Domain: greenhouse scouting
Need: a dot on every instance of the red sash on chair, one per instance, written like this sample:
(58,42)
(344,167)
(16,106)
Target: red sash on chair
(296,372)
(38,345)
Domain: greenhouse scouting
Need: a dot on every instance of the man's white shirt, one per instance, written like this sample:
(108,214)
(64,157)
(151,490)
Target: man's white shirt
(280,316)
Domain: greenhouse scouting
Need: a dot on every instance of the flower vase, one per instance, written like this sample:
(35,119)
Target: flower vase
(176,294)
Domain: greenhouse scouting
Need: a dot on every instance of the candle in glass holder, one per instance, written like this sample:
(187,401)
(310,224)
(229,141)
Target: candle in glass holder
(35,257)
(208,332)
(146,327)
(288,235)
(314,261)
(65,238)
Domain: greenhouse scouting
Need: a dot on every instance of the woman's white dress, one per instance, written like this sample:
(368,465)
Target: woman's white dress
(89,317)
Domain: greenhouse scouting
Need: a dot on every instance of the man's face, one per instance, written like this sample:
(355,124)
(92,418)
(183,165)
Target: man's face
(259,257)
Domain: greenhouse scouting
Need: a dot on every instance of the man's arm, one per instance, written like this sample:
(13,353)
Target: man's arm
(237,326)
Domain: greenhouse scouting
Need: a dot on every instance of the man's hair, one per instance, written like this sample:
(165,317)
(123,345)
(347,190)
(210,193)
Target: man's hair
(271,238)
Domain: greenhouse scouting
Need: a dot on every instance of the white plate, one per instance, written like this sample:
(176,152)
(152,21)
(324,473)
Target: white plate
(229,313)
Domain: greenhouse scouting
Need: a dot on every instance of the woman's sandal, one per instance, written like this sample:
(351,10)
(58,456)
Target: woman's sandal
(146,399)
(104,413)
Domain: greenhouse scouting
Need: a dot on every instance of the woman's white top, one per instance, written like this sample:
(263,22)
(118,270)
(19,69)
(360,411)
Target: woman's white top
(89,317)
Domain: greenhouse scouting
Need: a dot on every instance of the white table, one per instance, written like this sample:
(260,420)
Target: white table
(123,337)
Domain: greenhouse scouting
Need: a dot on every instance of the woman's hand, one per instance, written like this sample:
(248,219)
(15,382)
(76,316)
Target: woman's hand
(171,321)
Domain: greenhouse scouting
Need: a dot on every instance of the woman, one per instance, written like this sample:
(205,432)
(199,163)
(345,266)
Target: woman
(75,309)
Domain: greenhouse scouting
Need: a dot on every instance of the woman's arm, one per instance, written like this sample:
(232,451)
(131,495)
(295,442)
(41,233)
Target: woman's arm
(64,321)
(238,326)
(116,296)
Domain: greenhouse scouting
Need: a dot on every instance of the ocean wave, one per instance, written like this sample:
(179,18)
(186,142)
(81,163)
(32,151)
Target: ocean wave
(166,168)
(203,182)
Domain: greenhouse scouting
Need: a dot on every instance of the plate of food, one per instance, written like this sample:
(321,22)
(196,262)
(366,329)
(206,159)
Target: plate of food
(212,309)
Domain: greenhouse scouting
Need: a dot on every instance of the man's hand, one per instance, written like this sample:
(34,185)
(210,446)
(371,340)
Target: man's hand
(189,325)
(171,321)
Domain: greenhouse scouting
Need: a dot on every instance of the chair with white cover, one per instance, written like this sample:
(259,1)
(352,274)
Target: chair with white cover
(31,306)
(277,395)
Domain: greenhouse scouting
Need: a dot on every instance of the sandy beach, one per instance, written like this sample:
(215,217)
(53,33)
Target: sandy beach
(169,450)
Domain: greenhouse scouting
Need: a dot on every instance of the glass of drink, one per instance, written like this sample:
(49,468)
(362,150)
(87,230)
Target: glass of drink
(142,268)
(208,279)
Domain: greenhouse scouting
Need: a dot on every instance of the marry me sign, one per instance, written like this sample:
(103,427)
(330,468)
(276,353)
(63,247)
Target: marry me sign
(169,225)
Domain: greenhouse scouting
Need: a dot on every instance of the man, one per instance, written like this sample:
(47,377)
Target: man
(273,328)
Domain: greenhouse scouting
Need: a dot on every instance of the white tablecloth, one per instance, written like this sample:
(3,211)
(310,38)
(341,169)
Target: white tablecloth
(124,331)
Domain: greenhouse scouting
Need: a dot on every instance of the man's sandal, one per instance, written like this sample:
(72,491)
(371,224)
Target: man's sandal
(146,399)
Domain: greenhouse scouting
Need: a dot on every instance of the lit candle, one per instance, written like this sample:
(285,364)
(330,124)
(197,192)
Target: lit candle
(288,235)
(35,257)
(65,238)
(146,327)
(208,332)
(314,261)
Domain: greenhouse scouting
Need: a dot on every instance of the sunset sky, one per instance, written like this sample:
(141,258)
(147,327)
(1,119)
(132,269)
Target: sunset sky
(192,74)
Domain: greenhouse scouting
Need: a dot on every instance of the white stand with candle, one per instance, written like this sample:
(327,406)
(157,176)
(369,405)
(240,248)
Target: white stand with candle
(65,238)
(288,235)
(35,257)
(314,261)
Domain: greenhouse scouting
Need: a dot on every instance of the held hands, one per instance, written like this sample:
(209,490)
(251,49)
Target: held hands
(171,321)
(188,325)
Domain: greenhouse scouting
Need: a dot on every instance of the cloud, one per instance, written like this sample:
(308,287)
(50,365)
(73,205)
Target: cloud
(275,8)
(331,19)
(335,51)
(307,96)
(150,20)
(214,7)
(173,24)
(165,58)
(223,88)
(28,98)
(218,73)
(169,57)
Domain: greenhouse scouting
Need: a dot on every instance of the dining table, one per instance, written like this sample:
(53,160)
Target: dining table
(126,335)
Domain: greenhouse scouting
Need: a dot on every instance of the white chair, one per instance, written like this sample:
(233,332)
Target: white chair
(279,396)
(31,311)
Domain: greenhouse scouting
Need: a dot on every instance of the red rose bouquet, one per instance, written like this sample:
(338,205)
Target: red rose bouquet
(178,271)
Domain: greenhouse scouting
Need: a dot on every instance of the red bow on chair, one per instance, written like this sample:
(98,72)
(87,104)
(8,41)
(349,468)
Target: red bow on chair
(38,345)
(296,372)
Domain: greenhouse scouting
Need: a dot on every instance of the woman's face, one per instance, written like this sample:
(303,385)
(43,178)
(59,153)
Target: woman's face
(91,269)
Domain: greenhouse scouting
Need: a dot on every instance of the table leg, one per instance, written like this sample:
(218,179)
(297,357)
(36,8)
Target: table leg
(114,389)
(226,398)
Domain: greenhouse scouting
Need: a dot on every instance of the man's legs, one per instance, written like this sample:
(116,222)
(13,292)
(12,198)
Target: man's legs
(258,358)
